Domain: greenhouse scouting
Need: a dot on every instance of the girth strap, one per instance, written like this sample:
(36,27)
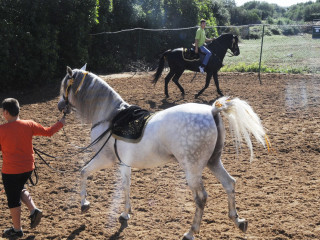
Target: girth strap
(117,154)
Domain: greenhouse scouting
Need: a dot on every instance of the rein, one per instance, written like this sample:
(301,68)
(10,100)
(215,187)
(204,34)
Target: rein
(38,152)
(231,54)
(109,130)
(70,83)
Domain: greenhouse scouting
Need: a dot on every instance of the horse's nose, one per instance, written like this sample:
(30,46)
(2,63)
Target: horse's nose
(61,105)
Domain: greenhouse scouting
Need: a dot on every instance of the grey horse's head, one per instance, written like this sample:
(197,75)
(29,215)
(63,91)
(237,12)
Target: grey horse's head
(63,104)
(91,97)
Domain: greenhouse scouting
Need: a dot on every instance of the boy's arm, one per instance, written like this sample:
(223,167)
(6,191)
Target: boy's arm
(210,39)
(39,130)
(196,44)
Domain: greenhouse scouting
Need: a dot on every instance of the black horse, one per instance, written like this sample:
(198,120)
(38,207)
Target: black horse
(178,63)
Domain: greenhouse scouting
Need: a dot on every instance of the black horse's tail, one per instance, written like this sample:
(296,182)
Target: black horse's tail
(160,67)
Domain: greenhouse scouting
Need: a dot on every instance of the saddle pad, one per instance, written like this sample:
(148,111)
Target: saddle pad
(190,55)
(129,124)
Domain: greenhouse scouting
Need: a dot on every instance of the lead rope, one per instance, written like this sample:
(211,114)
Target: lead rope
(38,152)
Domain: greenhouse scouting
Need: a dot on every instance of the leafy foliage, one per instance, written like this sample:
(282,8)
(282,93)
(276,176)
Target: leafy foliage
(254,67)
(39,38)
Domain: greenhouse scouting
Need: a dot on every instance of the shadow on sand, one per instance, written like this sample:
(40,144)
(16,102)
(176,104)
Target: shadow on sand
(116,235)
(76,232)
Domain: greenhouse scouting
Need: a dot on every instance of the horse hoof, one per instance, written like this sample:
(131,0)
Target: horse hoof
(243,226)
(124,217)
(187,237)
(123,222)
(85,208)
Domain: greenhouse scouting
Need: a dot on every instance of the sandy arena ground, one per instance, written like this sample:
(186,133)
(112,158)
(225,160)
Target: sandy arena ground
(278,192)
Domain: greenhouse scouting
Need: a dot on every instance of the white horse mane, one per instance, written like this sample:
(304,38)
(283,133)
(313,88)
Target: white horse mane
(95,100)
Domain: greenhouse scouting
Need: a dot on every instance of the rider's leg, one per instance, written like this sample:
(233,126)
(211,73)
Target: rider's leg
(207,57)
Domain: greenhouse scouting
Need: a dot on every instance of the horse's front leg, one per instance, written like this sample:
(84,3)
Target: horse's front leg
(205,86)
(126,181)
(96,164)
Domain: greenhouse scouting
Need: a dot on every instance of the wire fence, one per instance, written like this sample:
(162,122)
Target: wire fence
(274,48)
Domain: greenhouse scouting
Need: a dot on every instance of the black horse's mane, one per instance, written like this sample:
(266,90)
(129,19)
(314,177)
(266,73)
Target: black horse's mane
(217,43)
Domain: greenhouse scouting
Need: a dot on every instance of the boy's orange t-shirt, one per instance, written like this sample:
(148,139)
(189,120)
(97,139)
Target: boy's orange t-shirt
(16,144)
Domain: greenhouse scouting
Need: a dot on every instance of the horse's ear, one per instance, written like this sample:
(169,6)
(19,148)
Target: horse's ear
(69,71)
(84,67)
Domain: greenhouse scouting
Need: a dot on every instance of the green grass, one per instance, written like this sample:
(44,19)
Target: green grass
(254,67)
(284,54)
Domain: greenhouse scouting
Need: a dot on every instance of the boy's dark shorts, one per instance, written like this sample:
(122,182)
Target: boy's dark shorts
(13,185)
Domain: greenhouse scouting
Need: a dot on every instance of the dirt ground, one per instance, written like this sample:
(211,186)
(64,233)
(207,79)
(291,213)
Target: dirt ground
(278,192)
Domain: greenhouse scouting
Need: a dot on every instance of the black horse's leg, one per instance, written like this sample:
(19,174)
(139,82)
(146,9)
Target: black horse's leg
(206,86)
(216,81)
(166,82)
(176,81)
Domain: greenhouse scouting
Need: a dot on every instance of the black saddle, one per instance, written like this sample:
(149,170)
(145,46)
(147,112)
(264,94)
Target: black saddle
(129,123)
(190,55)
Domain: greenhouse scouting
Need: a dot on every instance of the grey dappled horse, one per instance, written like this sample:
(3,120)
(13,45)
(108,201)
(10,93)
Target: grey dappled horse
(190,134)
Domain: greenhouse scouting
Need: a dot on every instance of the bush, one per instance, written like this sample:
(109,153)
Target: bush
(28,43)
(275,30)
(290,31)
(39,38)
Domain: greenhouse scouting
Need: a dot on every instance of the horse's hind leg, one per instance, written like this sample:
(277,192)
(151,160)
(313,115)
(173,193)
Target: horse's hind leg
(216,81)
(200,198)
(228,183)
(166,82)
(176,81)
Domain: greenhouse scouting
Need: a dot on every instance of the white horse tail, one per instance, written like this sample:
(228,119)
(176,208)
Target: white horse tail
(243,121)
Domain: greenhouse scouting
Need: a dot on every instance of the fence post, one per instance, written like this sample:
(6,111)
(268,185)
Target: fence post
(138,48)
(261,53)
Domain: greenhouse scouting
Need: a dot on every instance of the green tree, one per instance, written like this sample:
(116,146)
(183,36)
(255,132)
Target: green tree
(39,38)
(122,12)
(28,39)
(75,19)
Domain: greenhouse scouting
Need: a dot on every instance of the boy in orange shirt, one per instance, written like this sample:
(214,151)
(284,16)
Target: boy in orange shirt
(18,162)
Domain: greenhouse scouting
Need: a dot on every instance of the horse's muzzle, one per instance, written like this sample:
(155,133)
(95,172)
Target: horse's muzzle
(63,107)
(236,52)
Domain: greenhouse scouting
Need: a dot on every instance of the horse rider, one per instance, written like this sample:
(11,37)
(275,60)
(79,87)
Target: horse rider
(200,39)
